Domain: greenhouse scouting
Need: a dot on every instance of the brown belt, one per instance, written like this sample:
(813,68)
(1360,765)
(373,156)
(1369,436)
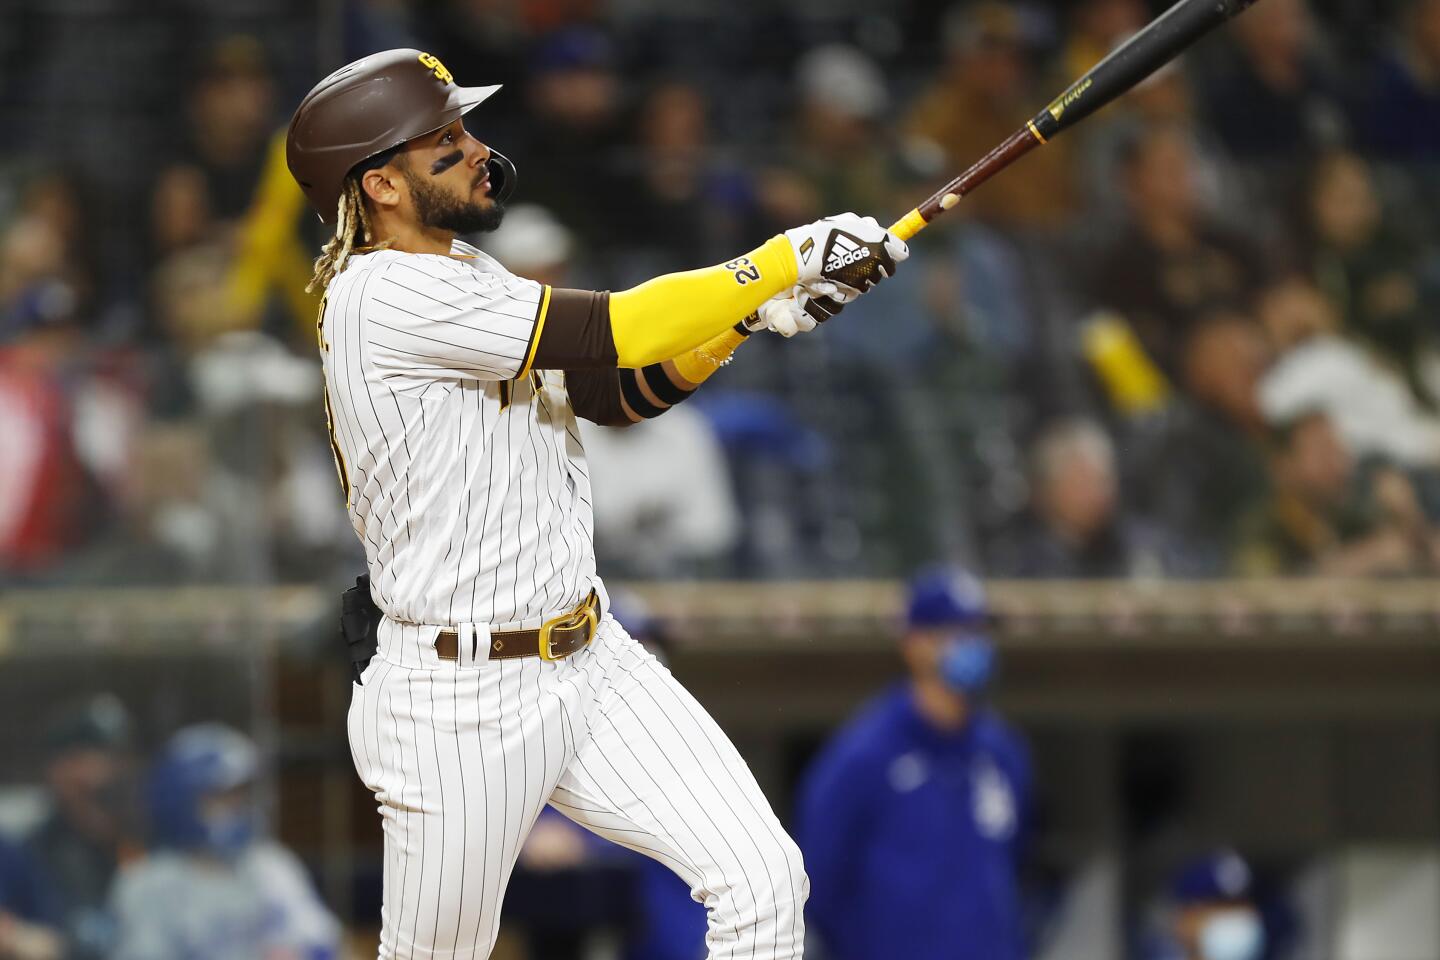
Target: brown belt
(555,639)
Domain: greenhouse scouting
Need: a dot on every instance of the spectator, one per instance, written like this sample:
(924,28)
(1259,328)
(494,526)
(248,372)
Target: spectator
(1096,28)
(837,157)
(987,86)
(229,123)
(1204,471)
(50,253)
(1399,119)
(1076,527)
(1272,101)
(1225,357)
(1367,268)
(1167,98)
(217,887)
(48,501)
(687,201)
(1365,396)
(914,816)
(40,257)
(570,160)
(55,887)
(1327,518)
(1173,263)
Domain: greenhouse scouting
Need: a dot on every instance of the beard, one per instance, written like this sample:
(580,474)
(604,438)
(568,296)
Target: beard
(443,211)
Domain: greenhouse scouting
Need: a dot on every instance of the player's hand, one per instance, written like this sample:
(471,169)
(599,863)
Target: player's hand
(850,251)
(797,310)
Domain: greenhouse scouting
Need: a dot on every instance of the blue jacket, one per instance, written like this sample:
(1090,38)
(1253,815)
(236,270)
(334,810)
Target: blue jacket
(911,837)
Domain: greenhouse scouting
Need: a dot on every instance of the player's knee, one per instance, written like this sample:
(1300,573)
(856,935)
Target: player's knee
(787,884)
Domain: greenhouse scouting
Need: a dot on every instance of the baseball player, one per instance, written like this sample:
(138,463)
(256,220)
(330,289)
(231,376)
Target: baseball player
(452,387)
(216,886)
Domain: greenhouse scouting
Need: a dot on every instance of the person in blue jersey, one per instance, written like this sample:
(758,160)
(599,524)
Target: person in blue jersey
(913,817)
(1214,914)
(215,885)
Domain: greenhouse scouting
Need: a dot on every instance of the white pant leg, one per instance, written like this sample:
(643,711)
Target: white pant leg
(461,760)
(655,773)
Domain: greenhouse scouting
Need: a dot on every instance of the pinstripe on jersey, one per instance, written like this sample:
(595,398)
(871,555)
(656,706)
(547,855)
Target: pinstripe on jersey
(470,492)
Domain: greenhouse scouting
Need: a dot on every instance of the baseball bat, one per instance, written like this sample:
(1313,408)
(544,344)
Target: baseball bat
(1128,64)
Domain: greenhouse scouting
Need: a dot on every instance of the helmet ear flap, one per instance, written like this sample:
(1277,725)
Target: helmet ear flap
(502,176)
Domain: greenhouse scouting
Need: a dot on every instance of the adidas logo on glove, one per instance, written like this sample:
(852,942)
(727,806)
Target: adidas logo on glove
(844,251)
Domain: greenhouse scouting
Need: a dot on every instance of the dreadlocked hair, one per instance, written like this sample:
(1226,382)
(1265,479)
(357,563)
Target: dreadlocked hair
(352,231)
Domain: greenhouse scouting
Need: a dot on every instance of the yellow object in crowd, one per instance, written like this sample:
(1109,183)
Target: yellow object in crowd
(1132,381)
(270,254)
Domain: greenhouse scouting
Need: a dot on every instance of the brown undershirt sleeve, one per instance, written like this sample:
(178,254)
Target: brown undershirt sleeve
(576,334)
(595,396)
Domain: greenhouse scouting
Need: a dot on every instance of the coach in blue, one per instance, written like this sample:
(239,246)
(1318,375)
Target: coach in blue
(912,818)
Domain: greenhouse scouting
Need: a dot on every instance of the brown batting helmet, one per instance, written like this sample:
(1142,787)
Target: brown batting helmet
(365,108)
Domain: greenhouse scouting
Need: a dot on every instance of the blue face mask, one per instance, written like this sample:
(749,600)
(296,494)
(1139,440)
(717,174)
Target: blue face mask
(967,664)
(228,834)
(1233,934)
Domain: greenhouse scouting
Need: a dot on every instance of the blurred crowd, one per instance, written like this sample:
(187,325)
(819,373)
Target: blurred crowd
(921,819)
(1196,336)
(152,858)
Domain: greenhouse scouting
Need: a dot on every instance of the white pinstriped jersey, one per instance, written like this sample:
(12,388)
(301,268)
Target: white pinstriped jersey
(469,489)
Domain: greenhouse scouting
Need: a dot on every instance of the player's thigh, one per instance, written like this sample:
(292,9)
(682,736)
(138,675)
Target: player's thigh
(656,773)
(461,762)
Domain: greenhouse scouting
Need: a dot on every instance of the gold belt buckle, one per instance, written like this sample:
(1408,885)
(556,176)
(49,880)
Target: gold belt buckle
(567,621)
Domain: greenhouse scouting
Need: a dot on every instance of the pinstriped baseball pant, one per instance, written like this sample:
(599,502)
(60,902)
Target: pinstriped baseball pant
(463,758)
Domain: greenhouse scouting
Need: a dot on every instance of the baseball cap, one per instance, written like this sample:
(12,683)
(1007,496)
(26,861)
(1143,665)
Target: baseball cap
(100,723)
(1218,876)
(945,597)
(843,79)
(530,239)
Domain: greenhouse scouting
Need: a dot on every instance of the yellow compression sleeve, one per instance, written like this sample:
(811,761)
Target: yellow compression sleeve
(672,315)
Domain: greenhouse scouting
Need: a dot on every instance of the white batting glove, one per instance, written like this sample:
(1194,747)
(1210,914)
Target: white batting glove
(780,314)
(850,251)
(798,310)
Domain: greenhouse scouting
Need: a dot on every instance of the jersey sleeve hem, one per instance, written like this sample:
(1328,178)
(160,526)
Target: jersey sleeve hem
(540,314)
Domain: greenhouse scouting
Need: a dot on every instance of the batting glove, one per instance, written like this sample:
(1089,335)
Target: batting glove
(850,251)
(797,310)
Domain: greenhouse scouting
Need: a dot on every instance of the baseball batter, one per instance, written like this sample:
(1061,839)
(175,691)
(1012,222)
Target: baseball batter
(452,387)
